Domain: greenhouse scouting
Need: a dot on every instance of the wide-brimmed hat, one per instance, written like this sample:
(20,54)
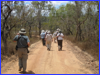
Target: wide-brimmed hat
(60,31)
(42,31)
(48,32)
(22,31)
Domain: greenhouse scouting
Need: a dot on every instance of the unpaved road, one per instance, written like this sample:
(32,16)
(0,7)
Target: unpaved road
(71,60)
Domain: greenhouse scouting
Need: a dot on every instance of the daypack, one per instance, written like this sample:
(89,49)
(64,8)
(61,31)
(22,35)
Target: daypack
(49,37)
(24,46)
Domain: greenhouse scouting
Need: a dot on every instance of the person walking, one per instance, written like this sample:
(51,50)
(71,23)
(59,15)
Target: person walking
(49,40)
(23,43)
(46,32)
(57,31)
(60,37)
(43,37)
(54,36)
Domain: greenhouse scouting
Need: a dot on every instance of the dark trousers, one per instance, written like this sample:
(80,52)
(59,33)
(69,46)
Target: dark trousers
(60,43)
(43,41)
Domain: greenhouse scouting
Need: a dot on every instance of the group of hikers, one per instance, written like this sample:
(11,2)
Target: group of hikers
(47,38)
(23,43)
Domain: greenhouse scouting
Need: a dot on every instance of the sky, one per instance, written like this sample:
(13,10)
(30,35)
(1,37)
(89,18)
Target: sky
(57,4)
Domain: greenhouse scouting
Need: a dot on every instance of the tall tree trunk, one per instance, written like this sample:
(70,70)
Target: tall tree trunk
(78,33)
(30,32)
(39,27)
(15,29)
(10,35)
(4,38)
(5,45)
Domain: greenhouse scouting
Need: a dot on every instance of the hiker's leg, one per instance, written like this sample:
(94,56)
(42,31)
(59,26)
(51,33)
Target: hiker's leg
(24,59)
(50,45)
(20,57)
(47,44)
(42,40)
(20,63)
(24,64)
(54,39)
(60,44)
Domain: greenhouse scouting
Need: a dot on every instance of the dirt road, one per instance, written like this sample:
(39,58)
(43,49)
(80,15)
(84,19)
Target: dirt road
(71,60)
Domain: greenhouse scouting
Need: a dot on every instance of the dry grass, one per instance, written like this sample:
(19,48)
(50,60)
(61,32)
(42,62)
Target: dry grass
(90,47)
(11,48)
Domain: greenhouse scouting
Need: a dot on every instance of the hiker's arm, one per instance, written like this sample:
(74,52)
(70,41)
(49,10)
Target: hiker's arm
(28,44)
(28,41)
(57,35)
(52,37)
(62,36)
(15,38)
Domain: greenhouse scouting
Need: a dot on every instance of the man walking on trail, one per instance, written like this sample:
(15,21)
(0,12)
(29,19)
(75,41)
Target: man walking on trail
(46,32)
(23,43)
(60,37)
(55,36)
(48,40)
(43,37)
(57,33)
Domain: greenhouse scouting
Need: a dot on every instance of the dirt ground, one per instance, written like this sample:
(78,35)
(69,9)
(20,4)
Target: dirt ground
(71,60)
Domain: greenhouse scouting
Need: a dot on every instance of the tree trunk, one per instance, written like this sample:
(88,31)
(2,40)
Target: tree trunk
(5,45)
(30,32)
(4,38)
(10,35)
(39,27)
(78,33)
(15,29)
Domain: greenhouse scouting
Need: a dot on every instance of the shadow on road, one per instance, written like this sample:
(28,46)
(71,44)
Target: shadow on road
(62,50)
(29,72)
(51,50)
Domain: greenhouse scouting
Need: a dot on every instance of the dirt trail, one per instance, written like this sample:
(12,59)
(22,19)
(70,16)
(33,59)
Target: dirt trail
(71,60)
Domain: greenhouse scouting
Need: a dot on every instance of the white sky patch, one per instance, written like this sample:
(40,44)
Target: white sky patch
(27,3)
(72,2)
(57,4)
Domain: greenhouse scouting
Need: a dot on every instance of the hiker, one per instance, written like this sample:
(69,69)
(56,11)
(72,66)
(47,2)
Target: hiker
(60,37)
(54,36)
(23,43)
(57,31)
(46,32)
(49,40)
(43,37)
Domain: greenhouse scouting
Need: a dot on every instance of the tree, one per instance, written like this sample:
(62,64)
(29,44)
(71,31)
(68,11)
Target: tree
(39,7)
(5,28)
(7,8)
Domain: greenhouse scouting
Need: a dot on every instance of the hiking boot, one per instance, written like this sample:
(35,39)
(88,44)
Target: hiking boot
(20,69)
(49,49)
(60,49)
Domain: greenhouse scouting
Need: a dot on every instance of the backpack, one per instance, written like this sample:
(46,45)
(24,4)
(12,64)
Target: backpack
(25,46)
